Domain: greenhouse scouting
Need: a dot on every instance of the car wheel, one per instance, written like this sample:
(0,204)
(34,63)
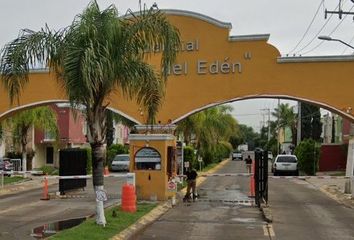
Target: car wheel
(296,173)
(275,173)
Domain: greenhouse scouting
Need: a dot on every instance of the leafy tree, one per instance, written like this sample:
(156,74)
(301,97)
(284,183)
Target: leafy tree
(92,58)
(307,153)
(286,118)
(311,126)
(42,118)
(209,128)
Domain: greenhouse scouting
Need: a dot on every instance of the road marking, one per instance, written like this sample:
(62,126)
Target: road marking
(268,230)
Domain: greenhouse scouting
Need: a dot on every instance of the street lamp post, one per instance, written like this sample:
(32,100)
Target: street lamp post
(328,38)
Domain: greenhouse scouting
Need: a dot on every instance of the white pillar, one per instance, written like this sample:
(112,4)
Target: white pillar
(349,172)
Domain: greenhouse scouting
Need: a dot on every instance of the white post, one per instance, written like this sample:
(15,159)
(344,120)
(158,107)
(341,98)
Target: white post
(350,168)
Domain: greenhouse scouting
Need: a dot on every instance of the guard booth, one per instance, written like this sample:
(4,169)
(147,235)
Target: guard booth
(152,159)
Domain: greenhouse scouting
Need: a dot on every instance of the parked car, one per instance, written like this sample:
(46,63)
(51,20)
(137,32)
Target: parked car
(236,156)
(285,164)
(120,162)
(6,166)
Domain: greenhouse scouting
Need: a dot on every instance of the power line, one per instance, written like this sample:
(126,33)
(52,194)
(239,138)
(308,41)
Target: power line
(335,29)
(309,26)
(315,37)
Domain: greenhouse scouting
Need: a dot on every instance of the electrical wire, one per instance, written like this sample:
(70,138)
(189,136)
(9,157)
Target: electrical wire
(309,26)
(335,29)
(346,47)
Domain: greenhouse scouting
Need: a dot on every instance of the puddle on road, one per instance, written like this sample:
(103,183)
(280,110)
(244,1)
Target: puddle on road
(50,229)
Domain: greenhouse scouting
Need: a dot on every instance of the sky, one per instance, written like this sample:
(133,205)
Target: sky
(288,23)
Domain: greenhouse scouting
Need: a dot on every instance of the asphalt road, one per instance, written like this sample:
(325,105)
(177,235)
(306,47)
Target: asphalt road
(21,212)
(301,211)
(215,215)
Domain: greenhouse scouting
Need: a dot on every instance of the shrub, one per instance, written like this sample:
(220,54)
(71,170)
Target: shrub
(307,153)
(89,160)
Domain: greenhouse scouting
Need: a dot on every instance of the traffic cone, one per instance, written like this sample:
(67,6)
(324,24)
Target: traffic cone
(128,198)
(45,189)
(106,171)
(252,182)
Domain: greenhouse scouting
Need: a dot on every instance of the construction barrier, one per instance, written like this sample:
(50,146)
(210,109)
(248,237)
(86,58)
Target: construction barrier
(45,189)
(22,172)
(128,202)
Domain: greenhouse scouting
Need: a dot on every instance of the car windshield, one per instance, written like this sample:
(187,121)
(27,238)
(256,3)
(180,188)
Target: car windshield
(121,158)
(289,159)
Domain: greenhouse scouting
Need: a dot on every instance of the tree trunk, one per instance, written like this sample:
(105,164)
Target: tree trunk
(24,158)
(98,156)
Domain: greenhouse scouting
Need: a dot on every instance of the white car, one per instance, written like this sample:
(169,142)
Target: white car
(120,162)
(285,164)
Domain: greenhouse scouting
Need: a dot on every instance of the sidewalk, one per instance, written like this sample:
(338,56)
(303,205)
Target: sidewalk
(334,188)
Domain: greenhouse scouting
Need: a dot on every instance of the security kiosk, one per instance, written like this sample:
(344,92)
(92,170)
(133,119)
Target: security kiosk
(152,154)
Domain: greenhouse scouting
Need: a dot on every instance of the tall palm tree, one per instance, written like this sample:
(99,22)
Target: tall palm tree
(209,127)
(94,56)
(42,118)
(286,118)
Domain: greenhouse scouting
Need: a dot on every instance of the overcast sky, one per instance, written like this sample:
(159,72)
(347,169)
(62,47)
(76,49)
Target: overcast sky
(285,20)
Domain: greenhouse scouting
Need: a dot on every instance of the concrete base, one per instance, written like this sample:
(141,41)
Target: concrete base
(348,186)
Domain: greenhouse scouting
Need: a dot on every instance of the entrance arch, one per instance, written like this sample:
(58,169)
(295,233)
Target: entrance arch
(213,68)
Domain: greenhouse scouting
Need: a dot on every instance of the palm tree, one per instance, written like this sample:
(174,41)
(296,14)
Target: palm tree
(286,118)
(209,127)
(93,57)
(42,118)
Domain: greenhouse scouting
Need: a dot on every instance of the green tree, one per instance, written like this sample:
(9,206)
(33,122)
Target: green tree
(311,126)
(286,118)
(308,155)
(42,118)
(210,128)
(92,58)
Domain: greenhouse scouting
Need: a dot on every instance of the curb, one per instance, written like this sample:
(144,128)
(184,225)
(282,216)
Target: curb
(334,193)
(144,221)
(267,213)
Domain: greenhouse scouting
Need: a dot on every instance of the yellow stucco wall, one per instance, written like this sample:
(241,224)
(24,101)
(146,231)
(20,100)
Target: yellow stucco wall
(259,72)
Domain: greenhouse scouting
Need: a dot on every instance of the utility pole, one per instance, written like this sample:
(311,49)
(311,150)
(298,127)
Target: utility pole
(268,113)
(340,11)
(298,136)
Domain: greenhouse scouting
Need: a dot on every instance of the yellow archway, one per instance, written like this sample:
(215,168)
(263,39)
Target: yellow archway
(213,68)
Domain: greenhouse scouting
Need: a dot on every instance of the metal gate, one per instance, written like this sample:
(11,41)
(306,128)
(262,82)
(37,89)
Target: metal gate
(261,177)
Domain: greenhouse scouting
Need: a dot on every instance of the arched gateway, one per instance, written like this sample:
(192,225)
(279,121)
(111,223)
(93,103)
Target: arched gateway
(214,67)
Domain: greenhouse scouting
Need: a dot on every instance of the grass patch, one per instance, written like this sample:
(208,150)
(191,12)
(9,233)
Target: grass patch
(89,229)
(9,180)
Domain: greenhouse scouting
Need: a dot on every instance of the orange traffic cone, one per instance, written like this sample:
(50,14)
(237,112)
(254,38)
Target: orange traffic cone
(106,171)
(45,189)
(252,182)
(128,198)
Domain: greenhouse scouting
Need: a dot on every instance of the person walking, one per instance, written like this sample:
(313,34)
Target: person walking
(248,161)
(191,184)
